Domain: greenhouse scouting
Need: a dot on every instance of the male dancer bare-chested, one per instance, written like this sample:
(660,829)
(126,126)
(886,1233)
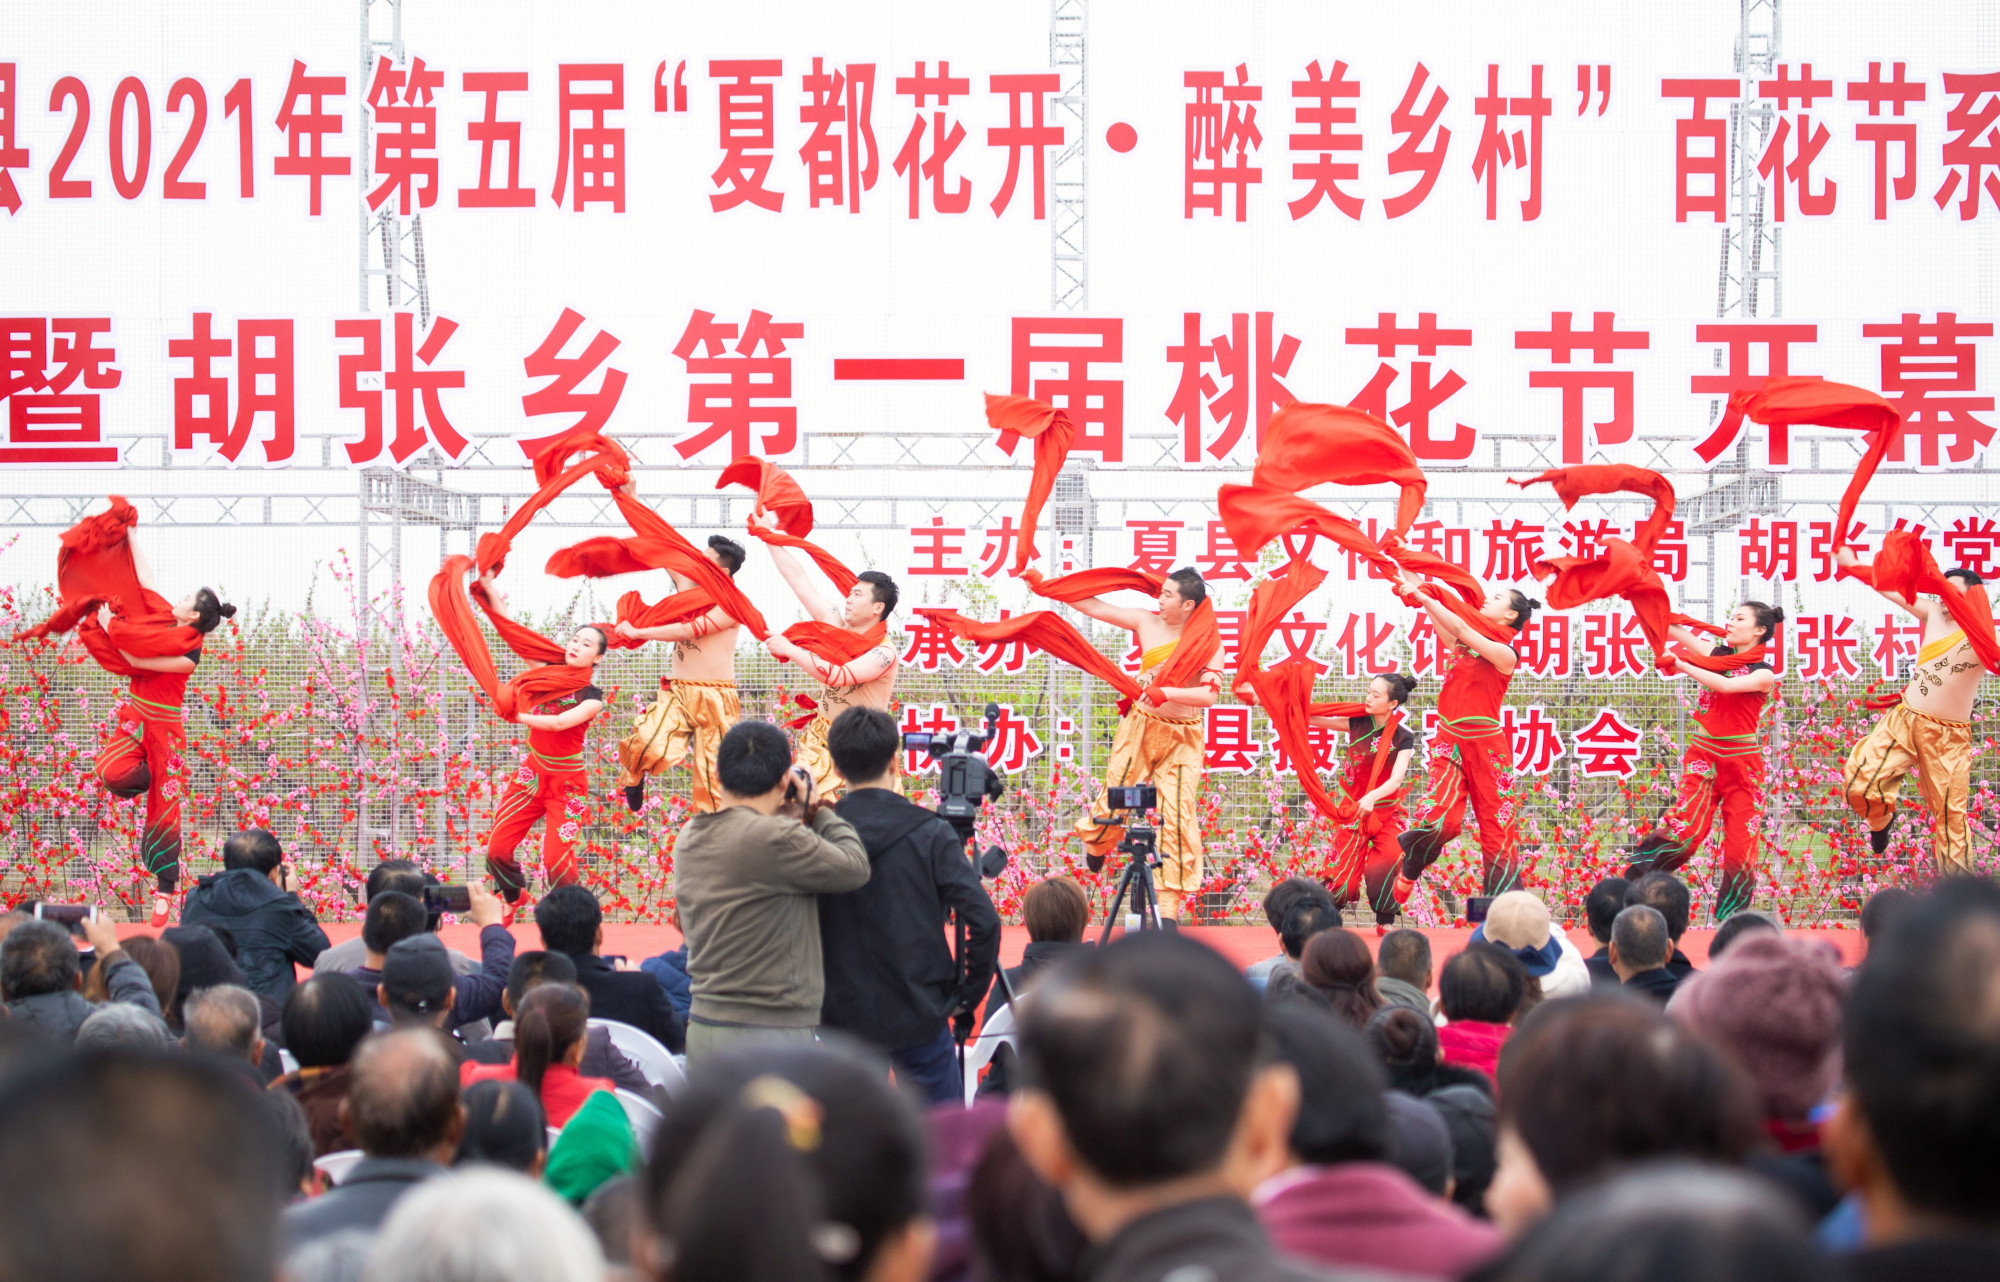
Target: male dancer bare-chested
(1930,731)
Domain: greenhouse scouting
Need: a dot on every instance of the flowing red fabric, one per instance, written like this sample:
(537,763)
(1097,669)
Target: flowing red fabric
(1718,662)
(661,546)
(1469,616)
(1285,694)
(1574,483)
(1201,638)
(524,693)
(1811,401)
(1255,516)
(1624,570)
(1905,566)
(1053,434)
(607,459)
(1307,445)
(1270,602)
(1051,634)
(776,492)
(836,644)
(94,566)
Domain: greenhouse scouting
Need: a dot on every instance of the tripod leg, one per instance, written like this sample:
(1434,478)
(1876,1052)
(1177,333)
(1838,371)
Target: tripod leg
(1145,901)
(1117,902)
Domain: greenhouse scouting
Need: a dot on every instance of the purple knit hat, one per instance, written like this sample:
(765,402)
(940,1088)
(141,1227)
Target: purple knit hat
(1773,1003)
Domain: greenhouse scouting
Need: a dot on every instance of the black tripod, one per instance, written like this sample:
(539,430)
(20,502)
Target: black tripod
(989,865)
(1141,846)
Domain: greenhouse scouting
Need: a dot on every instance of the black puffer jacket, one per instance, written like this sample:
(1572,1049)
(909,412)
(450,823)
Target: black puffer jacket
(272,928)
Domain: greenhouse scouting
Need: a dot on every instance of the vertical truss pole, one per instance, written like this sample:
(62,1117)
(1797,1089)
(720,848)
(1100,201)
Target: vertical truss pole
(1069,287)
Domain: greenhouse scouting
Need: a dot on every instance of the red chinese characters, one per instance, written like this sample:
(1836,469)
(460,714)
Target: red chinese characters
(1410,156)
(42,359)
(741,399)
(1738,338)
(1543,645)
(1971,156)
(1219,558)
(1607,746)
(1931,371)
(934,549)
(1512,549)
(1156,545)
(1425,396)
(1537,743)
(1806,139)
(1973,542)
(1001,540)
(489,131)
(840,107)
(1614,646)
(589,150)
(1769,553)
(1227,743)
(1315,161)
(1095,405)
(1521,149)
(931,643)
(1701,177)
(262,351)
(1252,374)
(747,129)
(1220,121)
(1005,656)
(911,161)
(403,102)
(1899,93)
(1366,647)
(12,155)
(1603,340)
(1897,637)
(1824,644)
(400,384)
(1030,137)
(564,393)
(307,125)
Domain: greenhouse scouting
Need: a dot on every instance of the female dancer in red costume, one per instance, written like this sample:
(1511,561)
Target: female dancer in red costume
(1379,747)
(157,646)
(552,783)
(1471,761)
(1723,767)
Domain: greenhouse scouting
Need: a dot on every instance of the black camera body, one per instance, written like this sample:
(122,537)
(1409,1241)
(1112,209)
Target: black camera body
(966,780)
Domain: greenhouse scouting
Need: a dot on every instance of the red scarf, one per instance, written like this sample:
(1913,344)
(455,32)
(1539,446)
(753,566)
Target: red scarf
(94,567)
(1624,570)
(1200,638)
(531,688)
(1905,566)
(1255,516)
(1308,445)
(1811,401)
(1049,633)
(1052,432)
(608,460)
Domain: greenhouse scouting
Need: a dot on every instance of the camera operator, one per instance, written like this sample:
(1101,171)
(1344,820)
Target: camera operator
(890,977)
(746,877)
(255,897)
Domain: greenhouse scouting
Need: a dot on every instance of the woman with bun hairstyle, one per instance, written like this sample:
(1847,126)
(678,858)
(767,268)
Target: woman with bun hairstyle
(1379,747)
(1471,762)
(1723,767)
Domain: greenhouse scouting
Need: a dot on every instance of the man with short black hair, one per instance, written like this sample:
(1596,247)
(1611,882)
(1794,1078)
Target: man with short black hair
(40,975)
(746,879)
(1639,950)
(697,702)
(417,985)
(390,874)
(572,923)
(1403,970)
(1915,1133)
(255,899)
(1667,895)
(1278,901)
(1310,914)
(402,1105)
(867,680)
(394,917)
(890,977)
(137,1167)
(601,1058)
(226,1022)
(1147,1102)
(1600,908)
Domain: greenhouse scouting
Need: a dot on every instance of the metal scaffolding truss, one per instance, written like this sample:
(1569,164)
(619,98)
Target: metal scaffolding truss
(392,247)
(1069,287)
(1752,246)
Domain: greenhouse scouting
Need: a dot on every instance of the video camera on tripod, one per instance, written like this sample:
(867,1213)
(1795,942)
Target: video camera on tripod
(1140,846)
(966,780)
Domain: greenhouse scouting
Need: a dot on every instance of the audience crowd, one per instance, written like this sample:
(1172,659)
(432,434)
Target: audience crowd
(786,1097)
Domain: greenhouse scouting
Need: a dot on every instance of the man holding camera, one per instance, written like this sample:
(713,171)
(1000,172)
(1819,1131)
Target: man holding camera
(746,879)
(255,899)
(1161,741)
(890,977)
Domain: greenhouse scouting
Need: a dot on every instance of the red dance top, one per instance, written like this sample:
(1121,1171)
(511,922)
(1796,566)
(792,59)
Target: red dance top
(560,752)
(1729,721)
(1363,737)
(162,692)
(1469,701)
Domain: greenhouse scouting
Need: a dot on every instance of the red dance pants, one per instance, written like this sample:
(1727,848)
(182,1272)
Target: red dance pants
(556,800)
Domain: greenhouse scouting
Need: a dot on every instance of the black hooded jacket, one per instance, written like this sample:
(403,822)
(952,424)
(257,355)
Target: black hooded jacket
(890,978)
(272,928)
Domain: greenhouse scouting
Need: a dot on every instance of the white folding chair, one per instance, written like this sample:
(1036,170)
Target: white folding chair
(335,1166)
(555,1133)
(997,1031)
(644,1117)
(286,1062)
(643,1049)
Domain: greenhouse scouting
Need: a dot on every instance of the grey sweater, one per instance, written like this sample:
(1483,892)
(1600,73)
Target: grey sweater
(747,885)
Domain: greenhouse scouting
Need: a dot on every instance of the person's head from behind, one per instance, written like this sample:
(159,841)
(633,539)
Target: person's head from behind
(1592,1083)
(162,963)
(1916,1132)
(1180,594)
(402,1096)
(1406,955)
(1055,910)
(1640,941)
(395,874)
(864,743)
(1341,1116)
(1141,1067)
(418,985)
(325,1018)
(1336,962)
(482,1224)
(123,1025)
(87,1196)
(224,1021)
(255,849)
(1735,927)
(725,552)
(551,1025)
(392,917)
(1307,916)
(570,920)
(752,760)
(206,958)
(1484,984)
(1278,900)
(1667,895)
(504,1126)
(1668,1222)
(1602,906)
(531,970)
(870,600)
(613,1212)
(37,958)
(794,1162)
(1406,1045)
(1773,1005)
(1469,1117)
(1883,907)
